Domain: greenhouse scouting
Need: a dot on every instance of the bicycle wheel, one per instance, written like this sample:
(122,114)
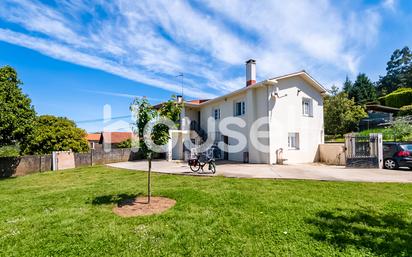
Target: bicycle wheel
(212,167)
(194,166)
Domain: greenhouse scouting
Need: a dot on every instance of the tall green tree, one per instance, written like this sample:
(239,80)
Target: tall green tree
(347,85)
(362,90)
(341,114)
(398,72)
(56,134)
(144,113)
(16,112)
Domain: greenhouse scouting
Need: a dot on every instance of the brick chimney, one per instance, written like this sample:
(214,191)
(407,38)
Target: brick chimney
(250,72)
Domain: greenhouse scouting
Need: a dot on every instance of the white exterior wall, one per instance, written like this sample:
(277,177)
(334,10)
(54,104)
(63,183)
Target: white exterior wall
(226,110)
(282,116)
(286,117)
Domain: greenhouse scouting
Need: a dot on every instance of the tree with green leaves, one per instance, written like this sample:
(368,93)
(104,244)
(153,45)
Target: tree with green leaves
(347,85)
(362,90)
(341,114)
(144,113)
(16,112)
(398,72)
(56,134)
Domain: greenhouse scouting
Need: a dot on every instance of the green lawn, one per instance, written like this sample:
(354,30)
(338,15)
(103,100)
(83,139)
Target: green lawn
(69,214)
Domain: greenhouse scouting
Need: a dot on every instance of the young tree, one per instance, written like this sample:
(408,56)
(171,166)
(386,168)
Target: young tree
(56,134)
(341,114)
(16,112)
(363,90)
(144,113)
(398,72)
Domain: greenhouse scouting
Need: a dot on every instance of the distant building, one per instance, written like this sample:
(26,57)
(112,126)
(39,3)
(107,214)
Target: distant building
(378,116)
(94,140)
(103,139)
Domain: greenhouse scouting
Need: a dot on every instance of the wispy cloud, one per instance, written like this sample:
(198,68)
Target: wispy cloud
(131,96)
(389,4)
(152,41)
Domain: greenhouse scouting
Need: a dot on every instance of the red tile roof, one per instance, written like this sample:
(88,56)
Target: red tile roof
(93,137)
(198,101)
(116,137)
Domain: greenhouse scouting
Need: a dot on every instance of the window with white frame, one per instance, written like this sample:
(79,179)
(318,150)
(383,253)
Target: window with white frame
(307,107)
(293,140)
(240,108)
(216,113)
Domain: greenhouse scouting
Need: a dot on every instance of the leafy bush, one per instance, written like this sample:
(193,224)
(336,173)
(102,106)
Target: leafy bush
(405,110)
(125,144)
(398,98)
(387,133)
(400,130)
(9,151)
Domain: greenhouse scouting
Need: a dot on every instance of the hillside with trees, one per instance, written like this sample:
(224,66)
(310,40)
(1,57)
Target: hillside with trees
(344,110)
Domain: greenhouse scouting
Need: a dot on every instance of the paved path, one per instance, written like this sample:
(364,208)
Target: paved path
(297,171)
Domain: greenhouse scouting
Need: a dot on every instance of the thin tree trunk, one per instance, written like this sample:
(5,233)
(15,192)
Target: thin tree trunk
(148,180)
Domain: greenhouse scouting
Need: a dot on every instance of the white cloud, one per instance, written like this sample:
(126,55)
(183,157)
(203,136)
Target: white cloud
(153,41)
(125,95)
(389,4)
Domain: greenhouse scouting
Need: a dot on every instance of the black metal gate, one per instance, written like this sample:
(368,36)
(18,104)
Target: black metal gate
(362,151)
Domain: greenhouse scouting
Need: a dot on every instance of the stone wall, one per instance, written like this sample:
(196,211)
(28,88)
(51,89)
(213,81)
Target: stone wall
(19,166)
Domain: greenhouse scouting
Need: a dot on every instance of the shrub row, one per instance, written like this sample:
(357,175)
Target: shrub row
(405,110)
(398,98)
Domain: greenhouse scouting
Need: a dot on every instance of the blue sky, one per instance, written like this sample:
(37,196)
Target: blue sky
(76,56)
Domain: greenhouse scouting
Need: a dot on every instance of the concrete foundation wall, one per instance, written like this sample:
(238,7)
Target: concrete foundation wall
(65,160)
(333,154)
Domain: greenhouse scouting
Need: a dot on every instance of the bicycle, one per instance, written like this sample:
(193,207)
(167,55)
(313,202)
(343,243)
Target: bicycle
(200,161)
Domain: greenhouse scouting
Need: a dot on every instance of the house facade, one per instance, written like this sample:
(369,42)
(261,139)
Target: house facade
(278,120)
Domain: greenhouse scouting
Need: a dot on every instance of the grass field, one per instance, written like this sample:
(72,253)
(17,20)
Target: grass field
(70,214)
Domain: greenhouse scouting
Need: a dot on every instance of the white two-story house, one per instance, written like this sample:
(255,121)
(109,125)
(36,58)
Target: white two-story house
(283,114)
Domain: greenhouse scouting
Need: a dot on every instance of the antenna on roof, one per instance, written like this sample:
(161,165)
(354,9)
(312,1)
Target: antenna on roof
(181,81)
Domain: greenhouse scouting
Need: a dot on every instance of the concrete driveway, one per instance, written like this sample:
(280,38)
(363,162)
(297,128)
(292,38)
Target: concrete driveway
(312,171)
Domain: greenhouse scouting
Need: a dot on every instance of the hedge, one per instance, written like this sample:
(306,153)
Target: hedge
(398,98)
(405,110)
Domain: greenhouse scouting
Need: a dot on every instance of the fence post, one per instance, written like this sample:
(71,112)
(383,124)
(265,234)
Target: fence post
(91,157)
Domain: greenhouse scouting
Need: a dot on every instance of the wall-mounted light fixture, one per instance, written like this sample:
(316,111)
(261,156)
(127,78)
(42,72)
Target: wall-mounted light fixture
(275,93)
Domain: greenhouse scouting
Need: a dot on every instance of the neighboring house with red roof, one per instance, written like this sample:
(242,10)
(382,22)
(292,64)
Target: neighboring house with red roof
(94,140)
(98,140)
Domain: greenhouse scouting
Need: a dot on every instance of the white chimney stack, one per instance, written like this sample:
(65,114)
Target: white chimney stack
(250,72)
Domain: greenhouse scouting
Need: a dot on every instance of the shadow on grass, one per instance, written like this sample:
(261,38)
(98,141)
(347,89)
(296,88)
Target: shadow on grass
(380,233)
(119,199)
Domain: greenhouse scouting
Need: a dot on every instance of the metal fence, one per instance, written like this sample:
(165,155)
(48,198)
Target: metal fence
(363,151)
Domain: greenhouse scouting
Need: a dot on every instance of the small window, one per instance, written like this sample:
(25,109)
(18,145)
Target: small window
(216,113)
(307,107)
(240,108)
(293,141)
